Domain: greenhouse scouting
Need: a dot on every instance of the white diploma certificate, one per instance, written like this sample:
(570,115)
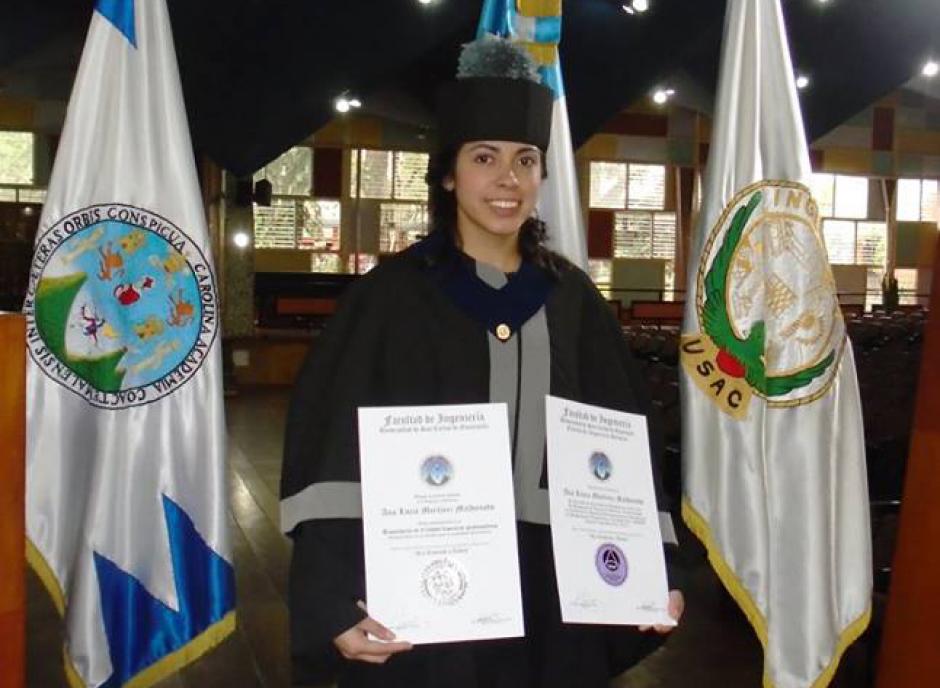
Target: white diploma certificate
(439,523)
(609,557)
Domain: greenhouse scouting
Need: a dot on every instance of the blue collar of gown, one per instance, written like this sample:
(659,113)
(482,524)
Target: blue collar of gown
(524,293)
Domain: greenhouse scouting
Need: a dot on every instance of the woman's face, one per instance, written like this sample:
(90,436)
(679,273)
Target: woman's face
(496,184)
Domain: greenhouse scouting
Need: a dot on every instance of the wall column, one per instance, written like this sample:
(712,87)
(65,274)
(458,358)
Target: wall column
(908,655)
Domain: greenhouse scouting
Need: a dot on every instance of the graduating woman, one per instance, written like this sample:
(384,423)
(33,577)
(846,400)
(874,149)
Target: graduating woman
(479,311)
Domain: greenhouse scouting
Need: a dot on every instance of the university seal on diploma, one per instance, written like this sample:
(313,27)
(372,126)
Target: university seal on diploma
(439,523)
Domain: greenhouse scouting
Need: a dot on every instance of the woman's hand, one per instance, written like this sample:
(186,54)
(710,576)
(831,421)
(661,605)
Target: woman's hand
(675,608)
(354,644)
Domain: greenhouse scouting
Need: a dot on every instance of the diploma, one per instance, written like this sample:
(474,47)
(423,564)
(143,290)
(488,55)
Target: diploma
(439,523)
(608,550)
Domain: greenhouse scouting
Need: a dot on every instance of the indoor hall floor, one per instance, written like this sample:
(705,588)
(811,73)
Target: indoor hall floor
(713,647)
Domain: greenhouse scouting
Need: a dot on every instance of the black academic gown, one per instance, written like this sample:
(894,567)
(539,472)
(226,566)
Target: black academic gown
(413,332)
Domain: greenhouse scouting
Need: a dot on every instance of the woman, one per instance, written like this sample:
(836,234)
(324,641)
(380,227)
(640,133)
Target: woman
(479,311)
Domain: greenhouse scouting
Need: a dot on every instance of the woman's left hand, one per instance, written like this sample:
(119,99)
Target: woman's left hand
(675,608)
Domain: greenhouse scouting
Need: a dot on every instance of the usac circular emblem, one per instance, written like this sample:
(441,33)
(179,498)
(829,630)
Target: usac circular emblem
(766,302)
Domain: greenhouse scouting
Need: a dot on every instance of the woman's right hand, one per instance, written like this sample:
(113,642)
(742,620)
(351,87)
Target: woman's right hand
(354,644)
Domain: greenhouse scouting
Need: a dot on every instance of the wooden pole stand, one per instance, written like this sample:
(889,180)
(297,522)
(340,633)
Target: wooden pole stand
(12,496)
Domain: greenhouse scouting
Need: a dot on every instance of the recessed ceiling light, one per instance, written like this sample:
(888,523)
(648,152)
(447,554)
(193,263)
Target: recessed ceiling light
(660,97)
(641,5)
(241,239)
(341,105)
(802,81)
(355,102)
(930,69)
(425,2)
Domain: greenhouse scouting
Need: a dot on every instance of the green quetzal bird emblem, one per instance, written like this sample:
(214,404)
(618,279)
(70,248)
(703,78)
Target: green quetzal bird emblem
(745,357)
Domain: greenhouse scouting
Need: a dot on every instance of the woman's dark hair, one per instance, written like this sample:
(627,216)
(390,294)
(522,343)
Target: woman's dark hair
(443,214)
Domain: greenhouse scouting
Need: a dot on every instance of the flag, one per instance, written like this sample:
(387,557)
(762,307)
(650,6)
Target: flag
(536,24)
(773,450)
(125,497)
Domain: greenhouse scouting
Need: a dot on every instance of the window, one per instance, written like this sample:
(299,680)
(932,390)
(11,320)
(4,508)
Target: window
(366,262)
(410,170)
(401,225)
(648,235)
(14,194)
(290,174)
(599,271)
(840,241)
(907,286)
(840,195)
(627,186)
(276,225)
(16,157)
(642,228)
(851,238)
(319,225)
(325,262)
(608,185)
(389,175)
(296,219)
(396,178)
(917,200)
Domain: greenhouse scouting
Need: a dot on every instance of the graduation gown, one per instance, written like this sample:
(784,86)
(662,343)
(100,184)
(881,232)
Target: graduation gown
(422,329)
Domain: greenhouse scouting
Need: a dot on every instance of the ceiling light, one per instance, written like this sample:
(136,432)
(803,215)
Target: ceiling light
(802,81)
(341,105)
(636,6)
(355,102)
(930,69)
(425,2)
(660,97)
(241,239)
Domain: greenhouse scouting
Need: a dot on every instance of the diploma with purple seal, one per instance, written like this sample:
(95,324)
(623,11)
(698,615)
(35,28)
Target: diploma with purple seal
(606,539)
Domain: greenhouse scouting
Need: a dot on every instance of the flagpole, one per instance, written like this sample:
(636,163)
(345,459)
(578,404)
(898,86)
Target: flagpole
(12,492)
(908,654)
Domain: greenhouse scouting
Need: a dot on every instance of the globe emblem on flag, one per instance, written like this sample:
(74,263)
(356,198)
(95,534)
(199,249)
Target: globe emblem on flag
(436,470)
(600,465)
(766,303)
(611,564)
(121,307)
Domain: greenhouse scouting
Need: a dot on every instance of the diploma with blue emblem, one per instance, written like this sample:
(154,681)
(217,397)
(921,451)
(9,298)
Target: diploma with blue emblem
(609,558)
(439,524)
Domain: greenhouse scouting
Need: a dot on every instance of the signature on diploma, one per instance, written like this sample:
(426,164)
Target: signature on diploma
(490,619)
(651,607)
(584,602)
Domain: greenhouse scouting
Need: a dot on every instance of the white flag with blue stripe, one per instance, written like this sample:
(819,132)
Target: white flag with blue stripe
(125,496)
(537,25)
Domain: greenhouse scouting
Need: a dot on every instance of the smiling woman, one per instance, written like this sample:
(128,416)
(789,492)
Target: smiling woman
(479,311)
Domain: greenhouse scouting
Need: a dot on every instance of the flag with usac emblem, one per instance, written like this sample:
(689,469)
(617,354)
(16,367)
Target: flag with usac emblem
(774,473)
